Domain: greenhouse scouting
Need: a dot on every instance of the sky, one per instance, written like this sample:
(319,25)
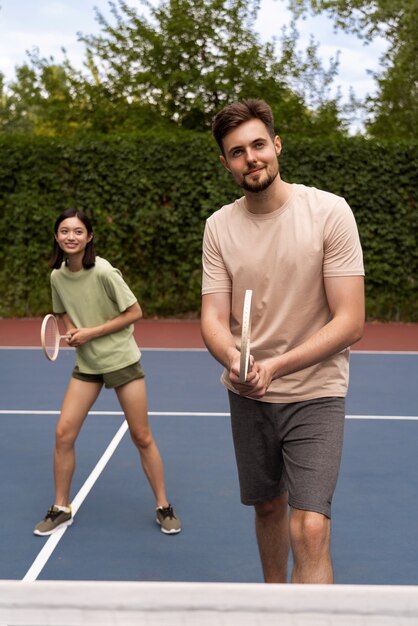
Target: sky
(50,25)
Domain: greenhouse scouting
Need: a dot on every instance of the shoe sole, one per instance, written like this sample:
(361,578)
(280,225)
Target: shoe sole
(170,532)
(40,533)
(174,531)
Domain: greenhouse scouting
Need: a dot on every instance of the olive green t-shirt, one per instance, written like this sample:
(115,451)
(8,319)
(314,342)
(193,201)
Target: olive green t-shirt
(91,297)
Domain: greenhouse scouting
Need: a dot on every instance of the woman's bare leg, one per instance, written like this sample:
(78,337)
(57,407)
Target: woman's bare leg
(78,399)
(133,400)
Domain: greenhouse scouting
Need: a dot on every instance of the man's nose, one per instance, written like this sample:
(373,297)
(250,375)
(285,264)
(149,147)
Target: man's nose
(251,157)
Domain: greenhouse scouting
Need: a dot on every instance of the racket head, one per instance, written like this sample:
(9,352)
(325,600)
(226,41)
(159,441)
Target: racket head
(50,337)
(245,336)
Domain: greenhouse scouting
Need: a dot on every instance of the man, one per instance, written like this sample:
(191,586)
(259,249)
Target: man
(298,249)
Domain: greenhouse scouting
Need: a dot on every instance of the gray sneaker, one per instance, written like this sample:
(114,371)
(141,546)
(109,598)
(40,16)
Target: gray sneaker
(170,524)
(52,521)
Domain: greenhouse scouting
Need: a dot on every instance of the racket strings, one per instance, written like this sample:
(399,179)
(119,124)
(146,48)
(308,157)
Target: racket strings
(51,338)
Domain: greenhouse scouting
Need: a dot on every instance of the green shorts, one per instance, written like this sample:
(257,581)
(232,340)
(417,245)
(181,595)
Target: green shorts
(112,379)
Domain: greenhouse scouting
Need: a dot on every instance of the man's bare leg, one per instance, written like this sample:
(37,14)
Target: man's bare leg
(272,530)
(310,535)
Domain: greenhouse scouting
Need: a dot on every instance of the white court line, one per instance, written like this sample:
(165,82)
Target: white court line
(385,352)
(382,417)
(28,348)
(43,556)
(352,351)
(201,414)
(142,349)
(159,413)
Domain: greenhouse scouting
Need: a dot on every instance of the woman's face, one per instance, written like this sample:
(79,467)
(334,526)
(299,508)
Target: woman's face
(72,236)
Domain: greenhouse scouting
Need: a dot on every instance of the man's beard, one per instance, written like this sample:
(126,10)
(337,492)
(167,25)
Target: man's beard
(258,186)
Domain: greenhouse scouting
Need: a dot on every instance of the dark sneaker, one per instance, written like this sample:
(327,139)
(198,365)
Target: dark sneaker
(170,524)
(53,520)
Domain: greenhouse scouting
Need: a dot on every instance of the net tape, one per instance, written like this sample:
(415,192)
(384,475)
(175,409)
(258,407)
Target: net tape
(66,603)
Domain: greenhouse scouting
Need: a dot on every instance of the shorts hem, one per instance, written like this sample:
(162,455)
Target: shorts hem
(312,508)
(110,371)
(117,385)
(253,501)
(114,379)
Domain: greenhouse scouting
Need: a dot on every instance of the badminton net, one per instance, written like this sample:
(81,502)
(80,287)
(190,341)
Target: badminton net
(66,603)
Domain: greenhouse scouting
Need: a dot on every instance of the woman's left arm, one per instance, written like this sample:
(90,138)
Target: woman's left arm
(80,336)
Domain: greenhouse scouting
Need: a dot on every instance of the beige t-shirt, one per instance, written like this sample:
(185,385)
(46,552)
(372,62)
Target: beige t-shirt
(283,257)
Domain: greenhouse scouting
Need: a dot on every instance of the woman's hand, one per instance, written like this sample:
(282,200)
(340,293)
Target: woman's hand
(77,337)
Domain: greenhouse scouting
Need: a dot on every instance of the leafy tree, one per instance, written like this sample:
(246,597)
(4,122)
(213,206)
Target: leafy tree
(40,99)
(394,109)
(174,69)
(191,57)
(4,104)
(187,61)
(307,78)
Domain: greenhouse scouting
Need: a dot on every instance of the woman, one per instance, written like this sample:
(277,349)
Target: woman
(98,310)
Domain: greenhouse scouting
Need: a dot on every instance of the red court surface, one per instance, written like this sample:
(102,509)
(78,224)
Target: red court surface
(174,333)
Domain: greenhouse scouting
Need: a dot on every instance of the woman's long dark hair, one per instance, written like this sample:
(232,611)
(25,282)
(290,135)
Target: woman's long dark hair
(89,257)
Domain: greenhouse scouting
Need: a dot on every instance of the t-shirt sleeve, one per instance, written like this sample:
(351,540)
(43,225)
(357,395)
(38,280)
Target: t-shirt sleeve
(118,290)
(57,305)
(343,255)
(215,277)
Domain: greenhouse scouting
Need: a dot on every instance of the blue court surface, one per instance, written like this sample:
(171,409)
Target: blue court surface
(114,535)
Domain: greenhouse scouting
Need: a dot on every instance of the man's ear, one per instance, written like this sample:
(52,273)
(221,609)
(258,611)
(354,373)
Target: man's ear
(224,163)
(277,144)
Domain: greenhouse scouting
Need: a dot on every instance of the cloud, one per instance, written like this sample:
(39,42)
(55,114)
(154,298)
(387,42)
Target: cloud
(48,26)
(14,46)
(57,9)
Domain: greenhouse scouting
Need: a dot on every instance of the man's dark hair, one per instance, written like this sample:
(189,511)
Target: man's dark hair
(237,113)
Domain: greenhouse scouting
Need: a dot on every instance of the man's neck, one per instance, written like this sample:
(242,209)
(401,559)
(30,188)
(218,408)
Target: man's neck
(269,200)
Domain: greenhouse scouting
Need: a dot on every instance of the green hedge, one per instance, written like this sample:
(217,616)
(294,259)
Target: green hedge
(149,197)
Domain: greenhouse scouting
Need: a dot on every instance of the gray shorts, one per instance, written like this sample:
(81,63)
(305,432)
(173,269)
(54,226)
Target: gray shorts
(293,447)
